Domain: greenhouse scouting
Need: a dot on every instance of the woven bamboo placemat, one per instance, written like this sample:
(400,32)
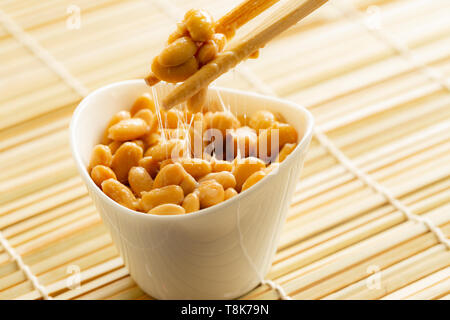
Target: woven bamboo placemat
(371,217)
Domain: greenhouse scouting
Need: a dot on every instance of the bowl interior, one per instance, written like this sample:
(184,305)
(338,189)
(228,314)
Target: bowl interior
(92,115)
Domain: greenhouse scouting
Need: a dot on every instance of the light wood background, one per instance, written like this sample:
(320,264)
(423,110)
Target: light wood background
(375,74)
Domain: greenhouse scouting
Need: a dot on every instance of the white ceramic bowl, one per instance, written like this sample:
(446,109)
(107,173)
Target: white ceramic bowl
(220,252)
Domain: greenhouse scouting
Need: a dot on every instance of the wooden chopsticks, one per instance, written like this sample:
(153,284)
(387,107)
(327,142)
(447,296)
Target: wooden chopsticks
(242,14)
(280,20)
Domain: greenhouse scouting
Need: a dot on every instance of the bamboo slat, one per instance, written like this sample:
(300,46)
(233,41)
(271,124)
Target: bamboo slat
(342,240)
(428,288)
(132,293)
(410,269)
(122,286)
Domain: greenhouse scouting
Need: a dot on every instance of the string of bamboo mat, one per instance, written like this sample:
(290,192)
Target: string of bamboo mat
(437,195)
(398,46)
(42,54)
(399,135)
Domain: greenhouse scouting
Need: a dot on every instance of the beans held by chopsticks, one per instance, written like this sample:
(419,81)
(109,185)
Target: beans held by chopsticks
(192,45)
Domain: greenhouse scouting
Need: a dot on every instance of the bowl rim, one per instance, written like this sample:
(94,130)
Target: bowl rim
(83,105)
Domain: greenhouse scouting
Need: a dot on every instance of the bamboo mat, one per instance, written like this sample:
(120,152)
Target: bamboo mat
(371,217)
